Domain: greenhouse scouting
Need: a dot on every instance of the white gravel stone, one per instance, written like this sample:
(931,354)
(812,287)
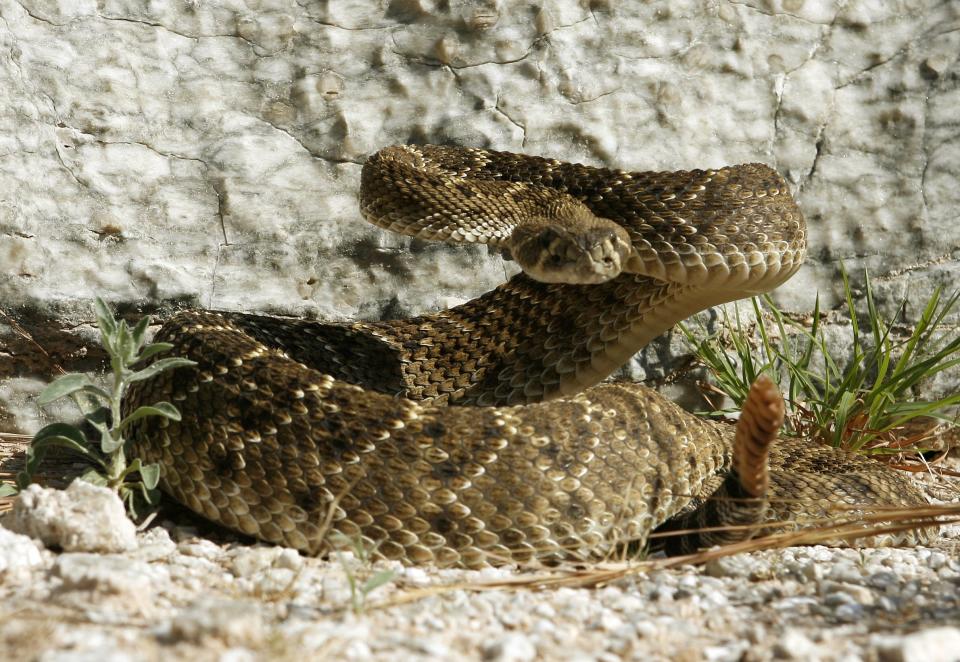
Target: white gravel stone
(250,561)
(793,644)
(111,574)
(935,560)
(155,544)
(882,580)
(358,650)
(201,548)
(414,576)
(724,653)
(843,571)
(237,655)
(737,566)
(19,557)
(230,622)
(91,655)
(849,613)
(82,518)
(939,644)
(510,648)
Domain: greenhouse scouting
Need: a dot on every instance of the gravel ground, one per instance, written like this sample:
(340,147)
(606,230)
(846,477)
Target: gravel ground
(167,592)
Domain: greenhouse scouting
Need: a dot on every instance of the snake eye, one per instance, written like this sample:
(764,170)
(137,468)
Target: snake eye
(547,237)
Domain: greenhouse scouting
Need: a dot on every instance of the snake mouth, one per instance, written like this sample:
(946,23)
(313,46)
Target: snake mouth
(594,263)
(557,255)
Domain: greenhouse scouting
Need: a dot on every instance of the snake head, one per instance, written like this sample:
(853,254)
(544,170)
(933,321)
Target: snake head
(588,251)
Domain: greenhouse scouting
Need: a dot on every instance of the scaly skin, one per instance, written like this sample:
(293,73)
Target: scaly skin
(477,435)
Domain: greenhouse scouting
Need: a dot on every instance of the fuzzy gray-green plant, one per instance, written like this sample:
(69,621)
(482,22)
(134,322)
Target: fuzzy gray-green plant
(135,482)
(863,403)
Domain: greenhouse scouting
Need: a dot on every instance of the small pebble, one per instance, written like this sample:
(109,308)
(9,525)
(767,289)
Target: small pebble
(19,556)
(82,518)
(938,644)
(510,648)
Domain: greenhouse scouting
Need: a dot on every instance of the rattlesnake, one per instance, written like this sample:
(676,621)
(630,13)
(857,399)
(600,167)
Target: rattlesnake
(477,434)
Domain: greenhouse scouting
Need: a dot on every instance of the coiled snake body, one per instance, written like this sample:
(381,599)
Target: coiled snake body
(477,434)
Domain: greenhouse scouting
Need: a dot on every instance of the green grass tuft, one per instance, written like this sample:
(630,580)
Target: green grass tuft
(365,582)
(864,403)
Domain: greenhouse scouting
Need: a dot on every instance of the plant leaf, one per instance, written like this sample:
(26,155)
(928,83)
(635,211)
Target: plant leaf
(152,496)
(129,497)
(95,477)
(64,386)
(104,317)
(55,434)
(109,443)
(139,333)
(69,432)
(150,475)
(154,348)
(130,492)
(41,447)
(98,419)
(97,391)
(106,322)
(7,490)
(164,409)
(133,467)
(125,347)
(157,367)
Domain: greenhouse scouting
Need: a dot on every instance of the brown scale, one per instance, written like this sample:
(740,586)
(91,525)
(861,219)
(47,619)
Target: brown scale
(276,426)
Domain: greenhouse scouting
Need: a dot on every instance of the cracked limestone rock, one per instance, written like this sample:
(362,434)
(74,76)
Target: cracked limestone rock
(208,154)
(82,518)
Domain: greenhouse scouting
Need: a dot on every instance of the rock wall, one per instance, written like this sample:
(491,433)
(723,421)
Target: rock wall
(208,153)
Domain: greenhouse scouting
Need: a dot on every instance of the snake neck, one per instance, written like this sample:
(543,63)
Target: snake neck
(525,342)
(521,343)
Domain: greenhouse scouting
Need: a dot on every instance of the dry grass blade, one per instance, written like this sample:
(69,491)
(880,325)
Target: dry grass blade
(13,447)
(886,521)
(925,467)
(326,525)
(23,333)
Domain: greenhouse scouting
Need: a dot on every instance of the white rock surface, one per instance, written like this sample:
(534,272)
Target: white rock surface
(209,153)
(511,647)
(940,644)
(222,605)
(82,518)
(93,572)
(19,556)
(234,622)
